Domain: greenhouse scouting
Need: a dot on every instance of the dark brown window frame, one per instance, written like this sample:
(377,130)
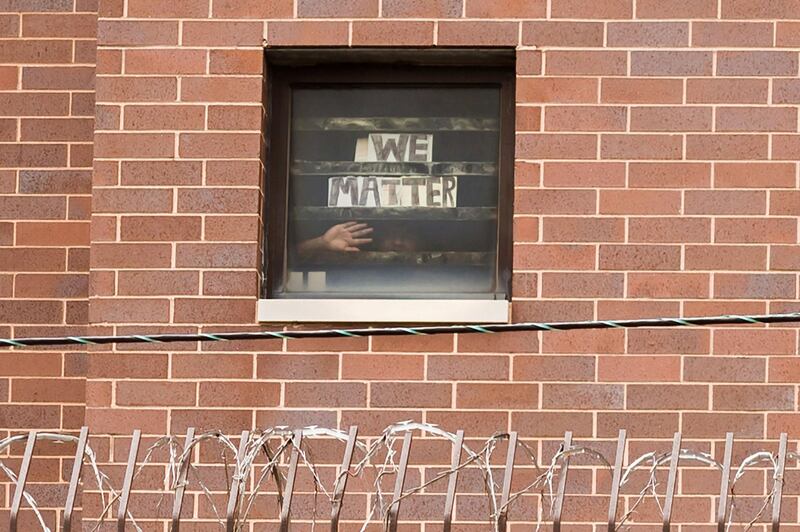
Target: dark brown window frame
(457,70)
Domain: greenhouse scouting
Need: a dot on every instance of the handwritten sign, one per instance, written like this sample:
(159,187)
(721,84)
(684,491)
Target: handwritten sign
(395,147)
(410,191)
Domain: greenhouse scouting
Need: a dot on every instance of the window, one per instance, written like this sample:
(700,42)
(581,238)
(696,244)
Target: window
(389,184)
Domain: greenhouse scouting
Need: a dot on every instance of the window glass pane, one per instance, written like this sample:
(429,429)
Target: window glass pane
(393,192)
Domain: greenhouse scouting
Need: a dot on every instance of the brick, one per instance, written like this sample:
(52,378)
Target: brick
(754,9)
(129,310)
(583,396)
(20,311)
(554,368)
(406,394)
(631,368)
(373,367)
(252,9)
(602,9)
(33,155)
(754,398)
(577,174)
(158,394)
(756,230)
(648,34)
(60,286)
(157,9)
(131,256)
(675,119)
(725,202)
(623,146)
(669,341)
(587,63)
(556,257)
(785,91)
(221,89)
(166,228)
(787,34)
(219,145)
(726,147)
(676,9)
(757,119)
(667,397)
(137,32)
(716,424)
(582,285)
(234,117)
(528,118)
(134,145)
(641,90)
(226,228)
(583,229)
(719,257)
(36,51)
(640,202)
(671,63)
(230,366)
(756,63)
(497,395)
(9,25)
(724,369)
(209,255)
(467,367)
(556,201)
(510,9)
(755,286)
(668,285)
(640,257)
(149,173)
(233,173)
(32,259)
(236,61)
(754,175)
(556,146)
(529,62)
(293,367)
(60,25)
(552,424)
(783,369)
(238,393)
(755,342)
(225,32)
(218,201)
(422,8)
(9,75)
(169,61)
(732,34)
(207,310)
(307,33)
(25,416)
(669,175)
(329,394)
(157,282)
(785,147)
(557,90)
(161,117)
(732,90)
(343,8)
(227,421)
(230,283)
(48,391)
(648,425)
(56,129)
(560,33)
(123,200)
(784,202)
(442,342)
(784,258)
(482,33)
(22,207)
(585,118)
(586,341)
(57,77)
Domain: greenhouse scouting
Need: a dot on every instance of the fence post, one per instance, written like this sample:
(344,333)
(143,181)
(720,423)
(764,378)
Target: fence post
(233,496)
(394,509)
(616,479)
(180,489)
(502,516)
(450,500)
(562,484)
(722,509)
(22,478)
(341,481)
(778,485)
(286,507)
(671,481)
(127,483)
(75,478)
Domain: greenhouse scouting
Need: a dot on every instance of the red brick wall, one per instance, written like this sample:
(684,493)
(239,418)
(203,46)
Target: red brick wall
(656,175)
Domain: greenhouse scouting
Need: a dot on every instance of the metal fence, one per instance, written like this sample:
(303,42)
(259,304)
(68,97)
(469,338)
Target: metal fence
(550,483)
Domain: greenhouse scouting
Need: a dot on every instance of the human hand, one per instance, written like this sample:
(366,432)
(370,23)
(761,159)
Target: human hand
(346,236)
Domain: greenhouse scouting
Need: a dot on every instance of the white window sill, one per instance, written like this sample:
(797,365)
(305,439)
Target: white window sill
(384,310)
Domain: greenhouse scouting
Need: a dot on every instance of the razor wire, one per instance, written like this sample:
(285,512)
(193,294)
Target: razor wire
(246,467)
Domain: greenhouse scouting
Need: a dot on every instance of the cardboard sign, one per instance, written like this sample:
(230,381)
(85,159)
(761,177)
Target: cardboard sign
(395,148)
(374,191)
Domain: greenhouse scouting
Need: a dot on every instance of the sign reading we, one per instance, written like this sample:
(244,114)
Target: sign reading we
(395,148)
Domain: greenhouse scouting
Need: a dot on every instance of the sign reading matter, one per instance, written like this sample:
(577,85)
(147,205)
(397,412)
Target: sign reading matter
(395,191)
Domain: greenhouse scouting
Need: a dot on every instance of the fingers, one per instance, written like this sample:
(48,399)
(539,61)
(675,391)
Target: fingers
(351,248)
(356,227)
(360,241)
(345,225)
(361,232)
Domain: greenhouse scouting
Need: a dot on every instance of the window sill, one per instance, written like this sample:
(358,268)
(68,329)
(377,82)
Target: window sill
(384,310)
